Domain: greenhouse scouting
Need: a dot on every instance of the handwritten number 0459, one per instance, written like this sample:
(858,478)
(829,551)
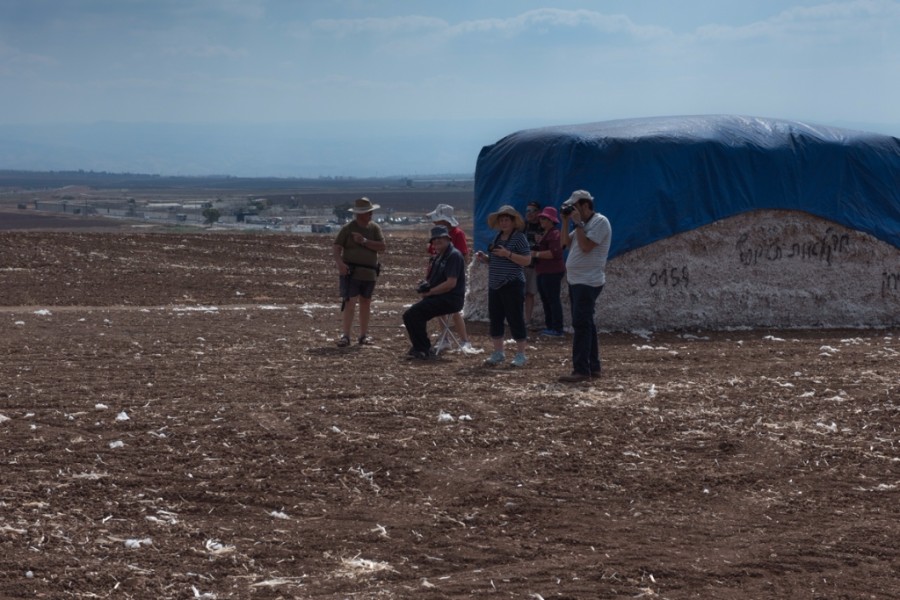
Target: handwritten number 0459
(667,277)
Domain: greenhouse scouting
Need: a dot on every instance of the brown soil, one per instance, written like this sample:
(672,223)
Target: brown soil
(260,461)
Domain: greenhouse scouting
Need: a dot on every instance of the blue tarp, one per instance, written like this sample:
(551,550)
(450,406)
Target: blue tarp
(660,176)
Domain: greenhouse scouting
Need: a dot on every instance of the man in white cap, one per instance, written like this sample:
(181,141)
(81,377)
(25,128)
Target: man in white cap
(443,293)
(588,244)
(356,249)
(443,215)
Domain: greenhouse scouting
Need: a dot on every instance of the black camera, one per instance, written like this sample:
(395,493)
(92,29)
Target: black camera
(423,287)
(492,246)
(567,209)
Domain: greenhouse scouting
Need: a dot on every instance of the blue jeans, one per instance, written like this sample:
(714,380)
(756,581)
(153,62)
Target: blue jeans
(548,286)
(585,347)
(507,303)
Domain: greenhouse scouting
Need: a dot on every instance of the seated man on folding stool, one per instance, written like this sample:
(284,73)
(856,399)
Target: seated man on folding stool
(442,293)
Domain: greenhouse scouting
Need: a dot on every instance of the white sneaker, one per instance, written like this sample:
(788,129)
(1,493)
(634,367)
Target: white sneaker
(467,348)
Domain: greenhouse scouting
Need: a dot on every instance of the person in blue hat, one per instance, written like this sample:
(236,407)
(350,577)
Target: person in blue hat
(442,293)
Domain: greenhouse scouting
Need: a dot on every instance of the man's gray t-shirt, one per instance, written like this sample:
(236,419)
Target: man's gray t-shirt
(590,268)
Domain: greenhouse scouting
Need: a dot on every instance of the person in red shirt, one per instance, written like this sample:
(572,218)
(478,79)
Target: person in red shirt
(443,215)
(550,268)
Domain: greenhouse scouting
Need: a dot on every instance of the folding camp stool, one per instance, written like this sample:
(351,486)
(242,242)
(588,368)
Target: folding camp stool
(447,338)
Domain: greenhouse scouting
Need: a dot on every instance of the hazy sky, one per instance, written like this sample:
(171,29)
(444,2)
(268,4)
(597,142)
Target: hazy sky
(569,61)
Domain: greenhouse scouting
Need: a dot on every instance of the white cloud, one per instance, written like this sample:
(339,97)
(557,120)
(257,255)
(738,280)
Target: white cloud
(540,19)
(557,18)
(206,51)
(381,26)
(14,61)
(835,19)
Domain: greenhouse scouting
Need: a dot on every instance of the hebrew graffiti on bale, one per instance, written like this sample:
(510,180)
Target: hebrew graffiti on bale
(758,269)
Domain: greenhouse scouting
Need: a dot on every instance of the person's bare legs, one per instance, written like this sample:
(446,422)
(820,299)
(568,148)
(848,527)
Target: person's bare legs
(365,309)
(460,324)
(347,316)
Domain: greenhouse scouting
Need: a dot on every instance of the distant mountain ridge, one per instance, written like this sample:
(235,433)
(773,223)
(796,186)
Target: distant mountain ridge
(246,150)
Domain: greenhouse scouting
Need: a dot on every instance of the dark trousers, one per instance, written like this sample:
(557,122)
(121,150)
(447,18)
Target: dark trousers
(548,287)
(585,347)
(507,303)
(417,316)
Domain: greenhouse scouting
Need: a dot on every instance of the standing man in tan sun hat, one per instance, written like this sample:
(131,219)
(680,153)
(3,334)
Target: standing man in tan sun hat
(356,249)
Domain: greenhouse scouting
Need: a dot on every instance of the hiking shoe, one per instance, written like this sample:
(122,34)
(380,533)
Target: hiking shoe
(552,333)
(344,341)
(366,340)
(519,360)
(414,354)
(495,358)
(574,377)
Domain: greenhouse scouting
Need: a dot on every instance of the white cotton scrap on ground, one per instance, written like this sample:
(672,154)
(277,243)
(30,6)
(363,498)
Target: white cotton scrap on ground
(117,444)
(198,594)
(355,567)
(278,514)
(465,418)
(122,416)
(43,312)
(19,323)
(100,406)
(137,543)
(652,391)
(4,419)
(216,547)
(444,417)
(279,581)
(208,309)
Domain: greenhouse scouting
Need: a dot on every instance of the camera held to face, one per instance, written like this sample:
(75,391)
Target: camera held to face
(423,287)
(567,209)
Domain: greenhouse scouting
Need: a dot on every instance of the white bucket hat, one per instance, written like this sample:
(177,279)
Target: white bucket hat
(443,212)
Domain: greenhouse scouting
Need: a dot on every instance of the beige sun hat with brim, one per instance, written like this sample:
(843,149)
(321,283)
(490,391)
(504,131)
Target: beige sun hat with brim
(443,212)
(363,205)
(506,209)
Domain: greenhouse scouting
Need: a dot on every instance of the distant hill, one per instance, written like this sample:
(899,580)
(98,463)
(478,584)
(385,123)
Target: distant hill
(312,150)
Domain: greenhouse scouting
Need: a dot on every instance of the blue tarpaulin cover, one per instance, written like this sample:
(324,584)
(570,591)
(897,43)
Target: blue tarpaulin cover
(656,177)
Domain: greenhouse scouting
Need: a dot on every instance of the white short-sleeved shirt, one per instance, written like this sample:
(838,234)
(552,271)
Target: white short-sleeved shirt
(590,268)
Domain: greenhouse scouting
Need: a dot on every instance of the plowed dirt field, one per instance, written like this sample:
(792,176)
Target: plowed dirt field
(177,422)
